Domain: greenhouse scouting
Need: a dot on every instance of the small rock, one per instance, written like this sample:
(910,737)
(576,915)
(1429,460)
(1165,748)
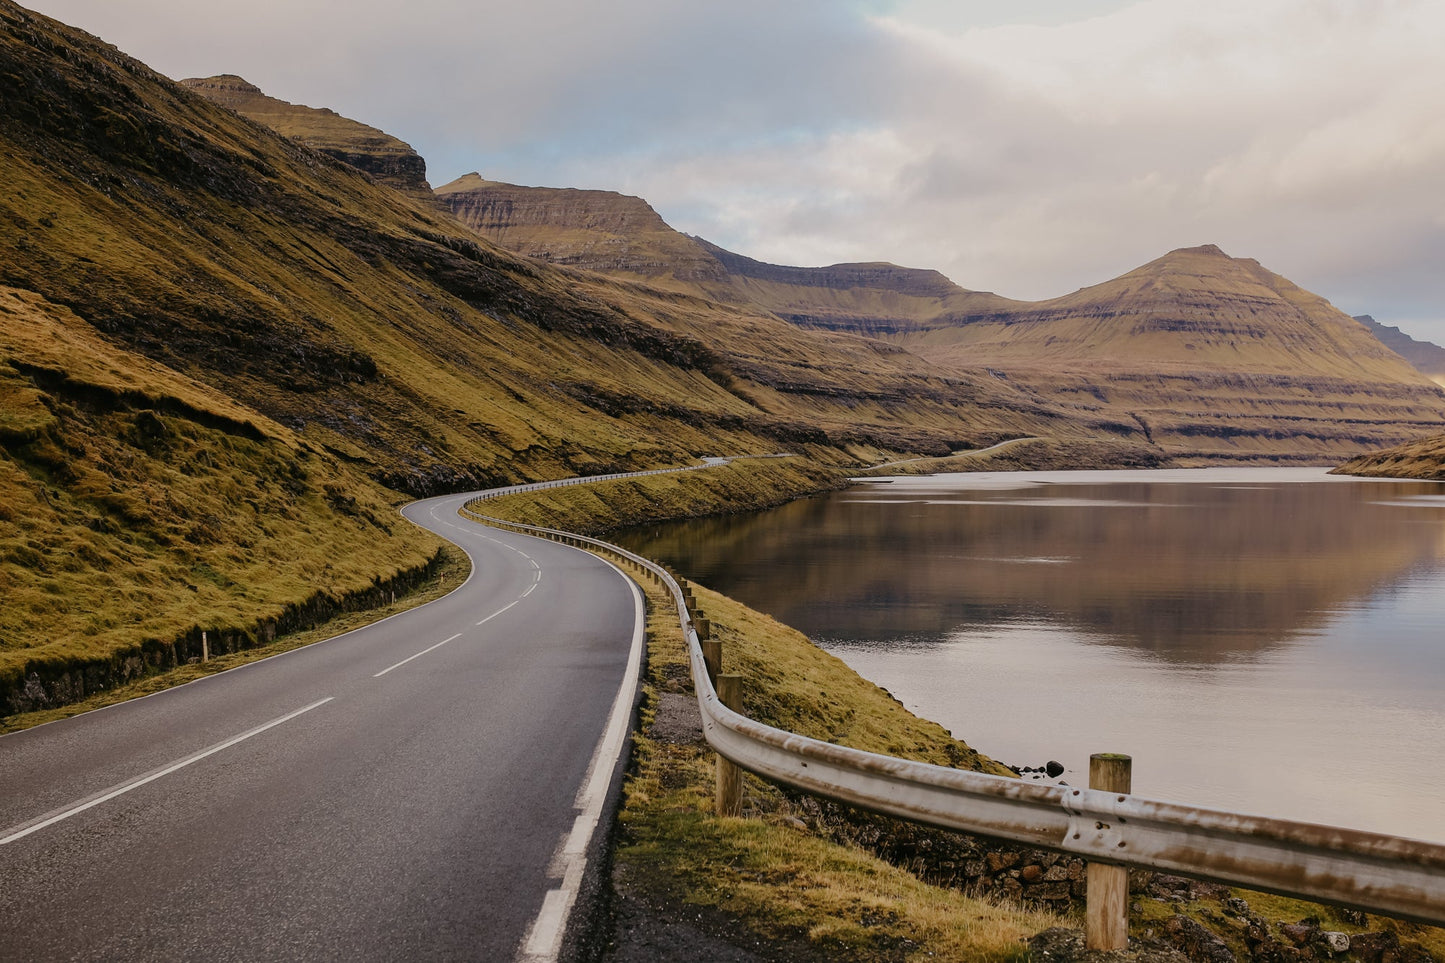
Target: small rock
(1373,947)
(1235,906)
(1054,769)
(1001,861)
(1335,941)
(1299,933)
(1353,917)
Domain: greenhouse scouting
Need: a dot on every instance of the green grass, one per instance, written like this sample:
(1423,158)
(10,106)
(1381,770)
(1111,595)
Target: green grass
(781,880)
(138,506)
(746,484)
(451,573)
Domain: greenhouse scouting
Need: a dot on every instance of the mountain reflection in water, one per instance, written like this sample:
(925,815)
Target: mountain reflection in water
(1239,618)
(1190,572)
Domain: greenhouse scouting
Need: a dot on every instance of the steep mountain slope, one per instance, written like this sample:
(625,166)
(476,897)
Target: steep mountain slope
(219,340)
(1427,358)
(325,300)
(381,155)
(139,507)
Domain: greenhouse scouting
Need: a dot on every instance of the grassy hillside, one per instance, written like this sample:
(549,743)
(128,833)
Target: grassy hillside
(139,507)
(1419,459)
(233,354)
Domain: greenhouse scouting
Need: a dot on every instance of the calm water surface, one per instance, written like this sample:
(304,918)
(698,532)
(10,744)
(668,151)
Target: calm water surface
(1261,640)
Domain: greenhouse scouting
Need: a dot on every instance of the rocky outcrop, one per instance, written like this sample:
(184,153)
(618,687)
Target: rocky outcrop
(384,157)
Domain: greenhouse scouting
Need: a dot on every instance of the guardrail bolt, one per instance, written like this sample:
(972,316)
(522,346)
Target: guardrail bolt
(1106,920)
(729,776)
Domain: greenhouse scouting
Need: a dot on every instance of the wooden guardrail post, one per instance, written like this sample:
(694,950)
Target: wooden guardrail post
(729,776)
(711,649)
(1106,919)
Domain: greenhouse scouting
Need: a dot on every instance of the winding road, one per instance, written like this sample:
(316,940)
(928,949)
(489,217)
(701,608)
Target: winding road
(422,788)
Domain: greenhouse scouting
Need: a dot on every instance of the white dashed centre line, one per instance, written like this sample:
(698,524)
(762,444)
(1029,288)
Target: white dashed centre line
(418,655)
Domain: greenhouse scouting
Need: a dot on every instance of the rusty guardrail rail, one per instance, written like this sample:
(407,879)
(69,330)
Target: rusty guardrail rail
(1360,870)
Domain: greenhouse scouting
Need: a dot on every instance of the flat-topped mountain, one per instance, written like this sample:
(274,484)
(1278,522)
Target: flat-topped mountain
(623,236)
(388,159)
(1213,358)
(594,230)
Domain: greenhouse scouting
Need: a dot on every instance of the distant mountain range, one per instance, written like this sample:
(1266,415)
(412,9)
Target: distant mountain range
(1427,358)
(1213,358)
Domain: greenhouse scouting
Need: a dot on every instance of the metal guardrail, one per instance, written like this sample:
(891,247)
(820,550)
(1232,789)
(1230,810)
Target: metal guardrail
(1367,871)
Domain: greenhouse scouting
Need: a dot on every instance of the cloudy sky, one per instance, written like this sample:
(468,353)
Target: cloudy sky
(1028,147)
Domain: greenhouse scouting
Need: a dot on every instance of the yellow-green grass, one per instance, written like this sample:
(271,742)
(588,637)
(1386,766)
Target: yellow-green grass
(1035,454)
(137,506)
(772,872)
(449,574)
(745,484)
(1146,922)
(780,881)
(1423,459)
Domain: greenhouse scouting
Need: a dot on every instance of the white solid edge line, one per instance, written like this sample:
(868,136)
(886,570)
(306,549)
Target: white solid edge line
(108,794)
(417,655)
(543,942)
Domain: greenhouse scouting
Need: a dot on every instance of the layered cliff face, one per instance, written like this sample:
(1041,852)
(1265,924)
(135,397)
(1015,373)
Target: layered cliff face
(623,236)
(384,157)
(1215,357)
(593,230)
(1210,358)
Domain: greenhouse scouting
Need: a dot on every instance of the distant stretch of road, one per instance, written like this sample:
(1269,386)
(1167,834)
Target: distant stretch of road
(423,788)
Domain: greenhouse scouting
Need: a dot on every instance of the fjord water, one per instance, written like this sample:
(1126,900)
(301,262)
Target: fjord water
(1259,640)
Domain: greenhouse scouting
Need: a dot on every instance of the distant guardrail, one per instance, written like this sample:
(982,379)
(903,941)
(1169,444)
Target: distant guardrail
(1367,871)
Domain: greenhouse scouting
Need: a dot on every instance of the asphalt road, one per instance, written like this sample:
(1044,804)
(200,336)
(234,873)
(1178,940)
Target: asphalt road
(418,789)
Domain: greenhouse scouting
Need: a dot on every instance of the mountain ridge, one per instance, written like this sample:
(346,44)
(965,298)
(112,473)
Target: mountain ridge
(387,158)
(1212,357)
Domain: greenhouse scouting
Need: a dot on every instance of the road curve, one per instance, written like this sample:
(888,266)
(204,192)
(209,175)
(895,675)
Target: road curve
(422,788)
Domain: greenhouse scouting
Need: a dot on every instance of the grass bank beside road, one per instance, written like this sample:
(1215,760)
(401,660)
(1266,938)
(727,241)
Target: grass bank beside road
(797,880)
(777,875)
(743,485)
